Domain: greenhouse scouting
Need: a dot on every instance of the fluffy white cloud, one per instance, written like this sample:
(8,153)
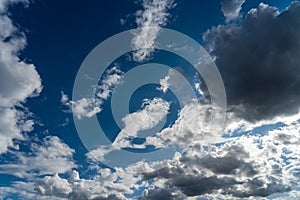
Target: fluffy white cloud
(90,106)
(149,20)
(152,112)
(231,8)
(50,157)
(104,185)
(18,81)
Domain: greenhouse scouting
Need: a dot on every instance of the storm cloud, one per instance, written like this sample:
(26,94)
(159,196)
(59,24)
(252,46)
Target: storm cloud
(259,60)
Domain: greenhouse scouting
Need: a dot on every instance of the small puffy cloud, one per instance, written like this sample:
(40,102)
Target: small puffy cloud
(90,106)
(259,62)
(149,21)
(53,185)
(231,8)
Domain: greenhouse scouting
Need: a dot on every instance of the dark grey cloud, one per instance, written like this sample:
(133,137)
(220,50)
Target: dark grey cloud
(159,193)
(260,61)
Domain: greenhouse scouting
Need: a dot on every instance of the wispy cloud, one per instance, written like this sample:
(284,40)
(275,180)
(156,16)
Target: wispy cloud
(90,106)
(155,14)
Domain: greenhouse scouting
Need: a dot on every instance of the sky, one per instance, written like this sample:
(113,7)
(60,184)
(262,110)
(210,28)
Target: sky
(149,99)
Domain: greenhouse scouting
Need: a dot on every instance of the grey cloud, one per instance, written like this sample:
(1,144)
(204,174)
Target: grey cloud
(246,167)
(260,61)
(231,8)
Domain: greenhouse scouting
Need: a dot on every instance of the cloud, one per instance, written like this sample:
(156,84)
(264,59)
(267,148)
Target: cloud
(18,81)
(90,106)
(248,166)
(192,126)
(253,166)
(149,21)
(104,185)
(153,111)
(50,157)
(231,8)
(259,61)
(53,185)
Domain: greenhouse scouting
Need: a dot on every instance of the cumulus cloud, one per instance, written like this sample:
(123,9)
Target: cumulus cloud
(231,8)
(104,185)
(90,106)
(149,21)
(18,81)
(259,61)
(248,166)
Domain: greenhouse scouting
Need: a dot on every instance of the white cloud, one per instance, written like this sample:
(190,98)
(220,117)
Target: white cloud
(18,81)
(192,125)
(104,185)
(152,112)
(149,20)
(53,185)
(90,106)
(247,167)
(52,156)
(231,8)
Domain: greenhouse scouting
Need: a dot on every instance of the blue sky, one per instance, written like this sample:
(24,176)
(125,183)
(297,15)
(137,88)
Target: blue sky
(163,144)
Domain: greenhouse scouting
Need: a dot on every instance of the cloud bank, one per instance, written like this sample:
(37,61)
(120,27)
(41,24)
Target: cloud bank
(18,81)
(259,61)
